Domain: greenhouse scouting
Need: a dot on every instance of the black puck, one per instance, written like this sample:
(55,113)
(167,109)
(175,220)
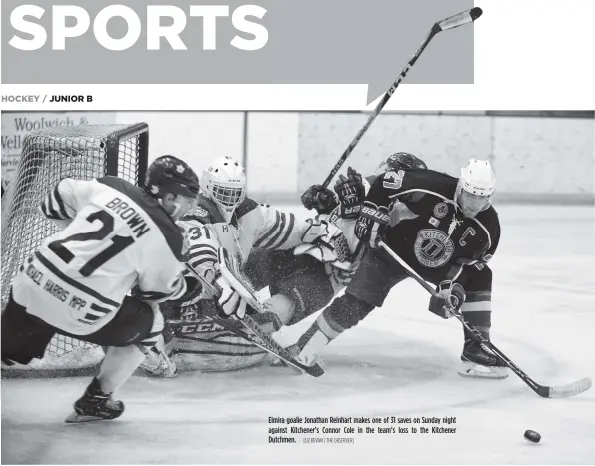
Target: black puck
(532,436)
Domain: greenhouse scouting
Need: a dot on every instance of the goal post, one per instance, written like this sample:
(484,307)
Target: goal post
(48,156)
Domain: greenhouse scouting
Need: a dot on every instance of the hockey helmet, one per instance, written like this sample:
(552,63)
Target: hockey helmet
(168,174)
(224,182)
(400,161)
(475,188)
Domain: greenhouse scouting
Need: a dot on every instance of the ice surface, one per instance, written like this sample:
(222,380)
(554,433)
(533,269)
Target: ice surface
(399,362)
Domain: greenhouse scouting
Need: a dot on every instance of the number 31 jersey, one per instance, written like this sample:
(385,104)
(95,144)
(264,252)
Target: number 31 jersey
(117,237)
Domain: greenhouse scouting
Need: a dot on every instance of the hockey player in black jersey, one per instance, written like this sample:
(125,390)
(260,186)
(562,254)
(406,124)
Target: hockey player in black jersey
(447,232)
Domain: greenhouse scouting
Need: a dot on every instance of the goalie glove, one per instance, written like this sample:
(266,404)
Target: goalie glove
(351,192)
(451,297)
(230,302)
(320,198)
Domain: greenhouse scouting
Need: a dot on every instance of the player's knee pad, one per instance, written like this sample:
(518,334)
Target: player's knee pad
(347,310)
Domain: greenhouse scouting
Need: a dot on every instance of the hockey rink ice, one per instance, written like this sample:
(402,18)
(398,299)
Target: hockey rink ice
(400,361)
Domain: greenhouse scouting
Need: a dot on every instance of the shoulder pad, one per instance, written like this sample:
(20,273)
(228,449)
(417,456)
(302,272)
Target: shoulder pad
(247,205)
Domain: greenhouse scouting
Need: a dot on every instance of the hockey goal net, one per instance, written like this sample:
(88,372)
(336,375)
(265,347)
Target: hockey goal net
(48,156)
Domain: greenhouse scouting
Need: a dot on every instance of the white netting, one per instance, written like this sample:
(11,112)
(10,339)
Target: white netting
(48,156)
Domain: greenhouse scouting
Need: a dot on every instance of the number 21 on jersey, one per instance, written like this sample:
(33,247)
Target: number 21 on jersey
(118,243)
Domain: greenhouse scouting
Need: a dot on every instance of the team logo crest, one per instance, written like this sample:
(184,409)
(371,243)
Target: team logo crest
(433,248)
(200,212)
(440,210)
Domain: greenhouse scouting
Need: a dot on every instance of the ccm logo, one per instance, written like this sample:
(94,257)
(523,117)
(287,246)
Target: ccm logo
(375,214)
(200,328)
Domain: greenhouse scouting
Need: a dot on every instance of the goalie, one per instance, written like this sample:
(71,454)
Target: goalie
(226,218)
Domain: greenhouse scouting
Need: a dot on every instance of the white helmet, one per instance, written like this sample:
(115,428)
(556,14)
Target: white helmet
(224,182)
(475,188)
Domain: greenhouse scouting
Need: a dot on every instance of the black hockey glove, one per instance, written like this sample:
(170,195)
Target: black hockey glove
(351,192)
(451,297)
(371,224)
(319,198)
(192,295)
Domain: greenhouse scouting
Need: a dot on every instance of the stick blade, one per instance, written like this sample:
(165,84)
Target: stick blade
(460,19)
(571,389)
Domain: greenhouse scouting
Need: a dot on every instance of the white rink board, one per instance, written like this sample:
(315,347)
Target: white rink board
(551,159)
(400,361)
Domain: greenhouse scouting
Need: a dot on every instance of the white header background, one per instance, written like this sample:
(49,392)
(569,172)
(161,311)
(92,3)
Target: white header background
(529,55)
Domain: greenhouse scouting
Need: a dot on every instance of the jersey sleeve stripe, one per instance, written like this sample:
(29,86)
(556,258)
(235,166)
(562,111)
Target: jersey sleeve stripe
(289,230)
(203,255)
(61,207)
(98,308)
(49,211)
(278,233)
(202,248)
(44,208)
(203,261)
(79,286)
(270,232)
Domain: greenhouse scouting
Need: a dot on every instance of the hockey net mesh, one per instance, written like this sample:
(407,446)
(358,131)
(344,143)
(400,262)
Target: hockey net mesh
(48,156)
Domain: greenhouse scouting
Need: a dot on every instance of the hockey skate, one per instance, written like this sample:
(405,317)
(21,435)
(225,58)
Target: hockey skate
(95,405)
(160,360)
(479,362)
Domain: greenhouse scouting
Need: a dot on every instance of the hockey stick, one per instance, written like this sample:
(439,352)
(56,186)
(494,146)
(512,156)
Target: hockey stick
(452,22)
(260,338)
(558,391)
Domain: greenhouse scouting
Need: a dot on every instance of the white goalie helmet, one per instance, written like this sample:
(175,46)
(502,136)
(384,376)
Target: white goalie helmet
(475,188)
(224,182)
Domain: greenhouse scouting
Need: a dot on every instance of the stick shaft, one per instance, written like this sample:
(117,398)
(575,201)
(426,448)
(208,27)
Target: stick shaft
(544,391)
(435,30)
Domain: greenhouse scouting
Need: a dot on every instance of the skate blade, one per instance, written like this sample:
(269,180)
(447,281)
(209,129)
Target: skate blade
(476,371)
(76,418)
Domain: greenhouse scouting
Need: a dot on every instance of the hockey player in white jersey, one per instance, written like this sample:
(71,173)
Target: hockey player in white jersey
(306,280)
(226,218)
(302,279)
(116,237)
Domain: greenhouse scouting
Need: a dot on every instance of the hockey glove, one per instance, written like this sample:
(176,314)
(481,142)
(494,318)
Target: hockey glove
(230,302)
(319,198)
(451,297)
(351,192)
(371,224)
(192,295)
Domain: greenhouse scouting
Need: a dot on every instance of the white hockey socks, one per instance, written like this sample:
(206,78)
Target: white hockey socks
(315,340)
(118,366)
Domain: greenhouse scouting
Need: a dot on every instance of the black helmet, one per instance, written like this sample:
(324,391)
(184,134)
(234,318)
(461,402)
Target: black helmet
(168,174)
(404,160)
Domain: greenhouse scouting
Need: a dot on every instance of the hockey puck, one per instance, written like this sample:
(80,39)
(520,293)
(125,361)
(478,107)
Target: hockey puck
(532,436)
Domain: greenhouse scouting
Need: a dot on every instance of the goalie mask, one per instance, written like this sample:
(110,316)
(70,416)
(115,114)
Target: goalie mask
(224,182)
(475,188)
